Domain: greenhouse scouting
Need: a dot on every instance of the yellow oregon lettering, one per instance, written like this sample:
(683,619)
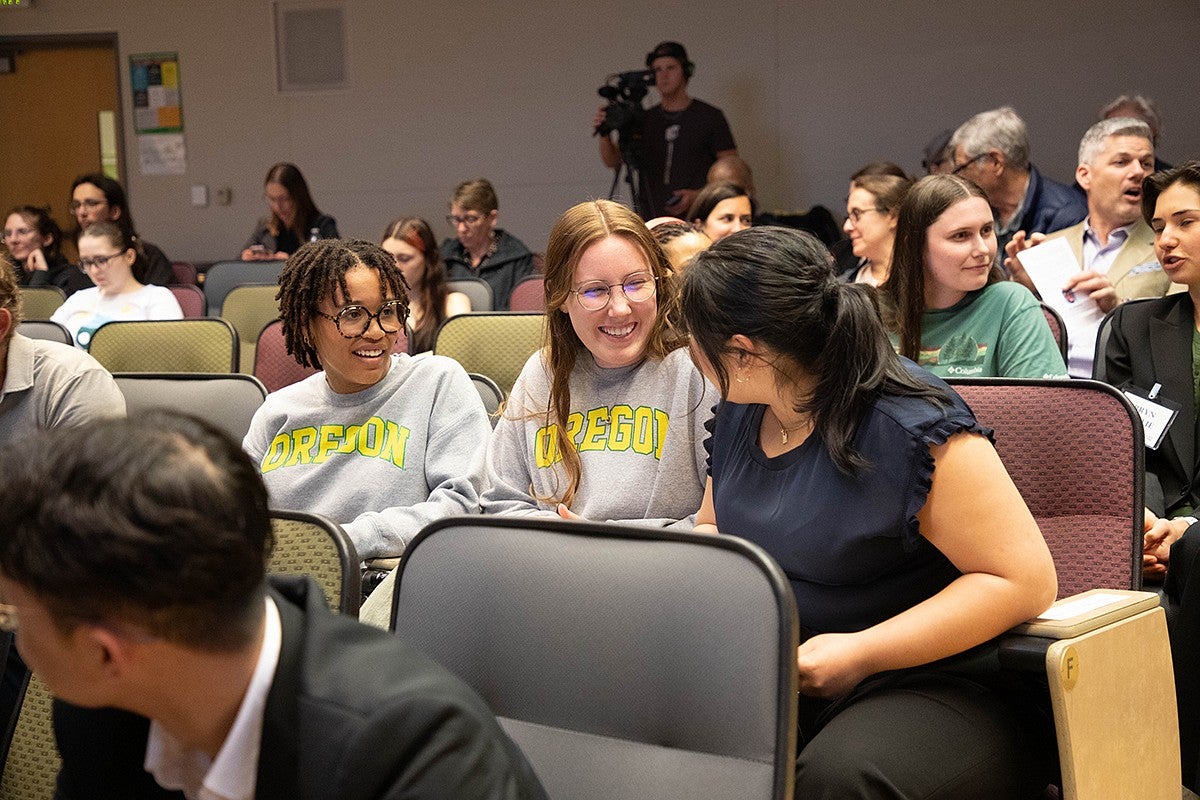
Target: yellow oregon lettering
(623,427)
(395,443)
(596,431)
(277,453)
(330,440)
(545,446)
(574,425)
(370,438)
(376,438)
(660,431)
(643,430)
(349,440)
(303,440)
(620,435)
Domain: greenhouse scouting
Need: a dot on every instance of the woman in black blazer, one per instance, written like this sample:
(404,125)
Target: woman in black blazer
(1157,343)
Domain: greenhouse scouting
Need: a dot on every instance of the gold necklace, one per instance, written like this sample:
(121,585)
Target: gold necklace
(783,432)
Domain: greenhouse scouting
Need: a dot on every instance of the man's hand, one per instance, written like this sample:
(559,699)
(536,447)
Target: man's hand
(1017,244)
(1094,285)
(601,115)
(1160,534)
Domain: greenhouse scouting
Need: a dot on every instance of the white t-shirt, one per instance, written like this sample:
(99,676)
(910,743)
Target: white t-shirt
(86,310)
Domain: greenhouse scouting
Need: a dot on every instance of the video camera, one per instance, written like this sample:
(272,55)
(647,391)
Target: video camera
(624,92)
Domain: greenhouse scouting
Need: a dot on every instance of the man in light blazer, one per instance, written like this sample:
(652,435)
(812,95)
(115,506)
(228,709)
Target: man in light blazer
(1113,245)
(132,571)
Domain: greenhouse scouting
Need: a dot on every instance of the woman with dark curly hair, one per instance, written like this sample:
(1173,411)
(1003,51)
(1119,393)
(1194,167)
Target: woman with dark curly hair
(381,442)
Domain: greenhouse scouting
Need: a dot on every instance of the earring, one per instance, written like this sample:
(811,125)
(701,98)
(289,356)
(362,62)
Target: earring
(741,377)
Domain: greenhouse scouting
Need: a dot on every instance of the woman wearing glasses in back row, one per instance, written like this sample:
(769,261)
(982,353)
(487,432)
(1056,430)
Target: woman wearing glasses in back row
(480,249)
(108,258)
(380,442)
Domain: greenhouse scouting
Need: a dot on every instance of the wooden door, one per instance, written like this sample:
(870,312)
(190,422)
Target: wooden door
(50,112)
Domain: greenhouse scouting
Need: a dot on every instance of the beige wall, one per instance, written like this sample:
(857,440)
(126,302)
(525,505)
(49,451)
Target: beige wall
(446,91)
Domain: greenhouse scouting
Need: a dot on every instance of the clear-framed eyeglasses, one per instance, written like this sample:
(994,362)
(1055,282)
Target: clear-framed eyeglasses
(353,321)
(637,288)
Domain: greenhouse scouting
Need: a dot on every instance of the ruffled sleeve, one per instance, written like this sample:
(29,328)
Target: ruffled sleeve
(710,426)
(957,419)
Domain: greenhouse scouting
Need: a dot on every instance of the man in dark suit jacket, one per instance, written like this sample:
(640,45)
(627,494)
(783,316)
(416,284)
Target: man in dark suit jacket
(992,149)
(132,557)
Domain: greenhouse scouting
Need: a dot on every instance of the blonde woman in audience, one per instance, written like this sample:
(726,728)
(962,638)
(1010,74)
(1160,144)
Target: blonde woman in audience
(905,541)
(952,311)
(108,258)
(871,212)
(380,442)
(294,217)
(410,241)
(606,421)
(721,209)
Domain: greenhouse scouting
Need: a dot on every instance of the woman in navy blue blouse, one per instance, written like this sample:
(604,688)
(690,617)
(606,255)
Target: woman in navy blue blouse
(905,541)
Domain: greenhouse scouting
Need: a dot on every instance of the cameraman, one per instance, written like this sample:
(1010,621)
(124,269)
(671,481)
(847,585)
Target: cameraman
(680,137)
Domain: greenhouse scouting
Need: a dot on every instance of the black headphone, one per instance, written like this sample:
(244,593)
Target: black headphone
(672,50)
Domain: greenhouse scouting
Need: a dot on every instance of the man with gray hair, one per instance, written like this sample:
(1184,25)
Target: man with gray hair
(992,149)
(1113,246)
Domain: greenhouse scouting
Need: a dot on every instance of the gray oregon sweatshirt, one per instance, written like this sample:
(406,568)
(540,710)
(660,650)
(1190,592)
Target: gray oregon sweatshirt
(383,462)
(640,435)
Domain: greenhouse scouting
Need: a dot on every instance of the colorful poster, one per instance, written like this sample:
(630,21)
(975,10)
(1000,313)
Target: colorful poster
(157,107)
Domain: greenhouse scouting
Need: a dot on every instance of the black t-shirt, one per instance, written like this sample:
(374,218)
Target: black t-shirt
(678,147)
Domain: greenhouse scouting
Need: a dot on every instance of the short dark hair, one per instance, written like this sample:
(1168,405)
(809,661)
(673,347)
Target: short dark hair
(114,195)
(1188,174)
(160,522)
(315,271)
(879,168)
(476,195)
(776,286)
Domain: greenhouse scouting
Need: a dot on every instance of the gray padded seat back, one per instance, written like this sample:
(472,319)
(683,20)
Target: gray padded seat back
(226,401)
(627,663)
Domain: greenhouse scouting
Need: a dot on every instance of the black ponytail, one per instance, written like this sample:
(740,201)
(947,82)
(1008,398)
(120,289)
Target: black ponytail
(776,286)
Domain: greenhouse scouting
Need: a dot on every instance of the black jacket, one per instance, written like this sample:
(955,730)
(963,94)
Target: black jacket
(353,713)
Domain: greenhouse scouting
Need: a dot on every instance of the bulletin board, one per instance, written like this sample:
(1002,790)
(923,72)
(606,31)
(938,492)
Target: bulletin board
(157,107)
